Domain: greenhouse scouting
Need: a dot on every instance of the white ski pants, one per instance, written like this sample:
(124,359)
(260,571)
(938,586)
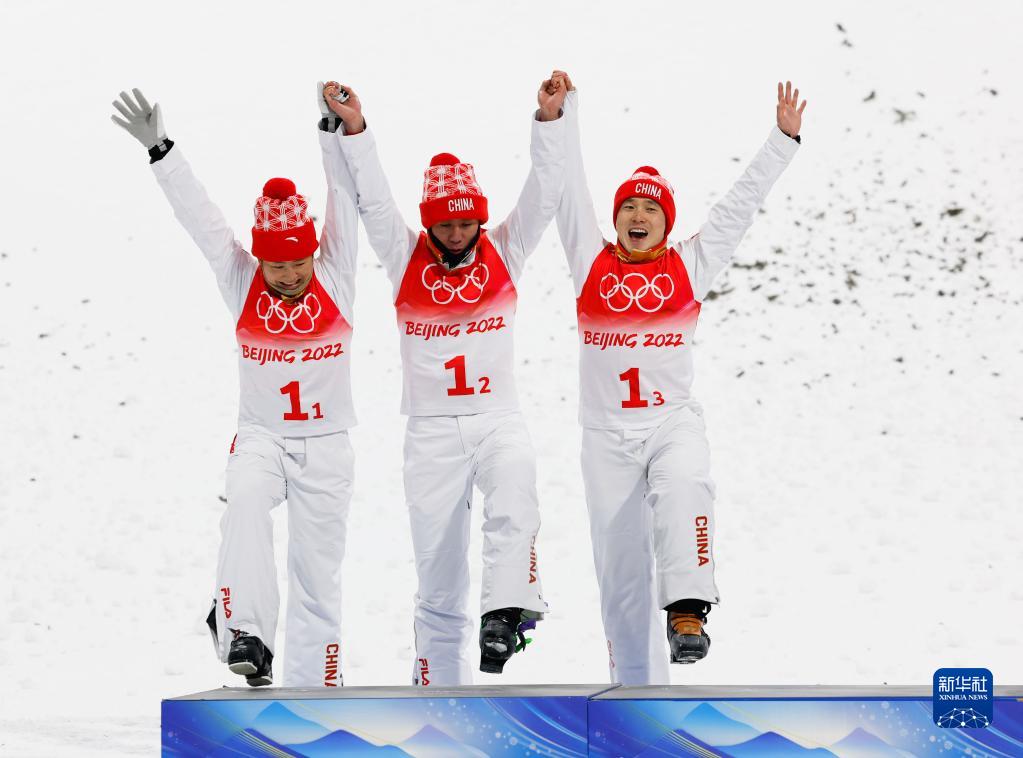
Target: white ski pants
(650,500)
(314,474)
(444,457)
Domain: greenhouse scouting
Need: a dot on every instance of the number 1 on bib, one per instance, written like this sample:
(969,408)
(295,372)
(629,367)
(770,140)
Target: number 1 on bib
(631,377)
(461,388)
(296,414)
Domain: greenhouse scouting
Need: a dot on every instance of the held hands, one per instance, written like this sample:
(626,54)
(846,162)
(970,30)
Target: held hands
(350,111)
(790,118)
(565,79)
(144,121)
(551,96)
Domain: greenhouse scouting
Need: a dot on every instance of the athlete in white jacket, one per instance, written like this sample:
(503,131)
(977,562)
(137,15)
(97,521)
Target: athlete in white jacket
(645,459)
(293,316)
(454,292)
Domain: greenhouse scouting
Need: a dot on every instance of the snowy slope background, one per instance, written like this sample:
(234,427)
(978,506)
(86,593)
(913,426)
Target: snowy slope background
(860,366)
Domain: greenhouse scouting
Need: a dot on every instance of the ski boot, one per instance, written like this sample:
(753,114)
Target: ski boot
(689,643)
(250,658)
(502,633)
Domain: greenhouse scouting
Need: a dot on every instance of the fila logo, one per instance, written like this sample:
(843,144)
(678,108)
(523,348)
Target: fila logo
(330,668)
(461,204)
(644,188)
(225,593)
(702,540)
(424,672)
(532,560)
(291,239)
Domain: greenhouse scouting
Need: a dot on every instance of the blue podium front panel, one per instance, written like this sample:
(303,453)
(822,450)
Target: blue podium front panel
(788,722)
(545,720)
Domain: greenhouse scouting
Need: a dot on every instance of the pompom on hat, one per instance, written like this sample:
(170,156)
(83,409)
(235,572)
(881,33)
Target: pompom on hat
(647,182)
(283,230)
(450,191)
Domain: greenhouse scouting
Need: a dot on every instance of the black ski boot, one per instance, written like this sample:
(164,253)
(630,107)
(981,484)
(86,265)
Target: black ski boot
(501,635)
(689,643)
(250,658)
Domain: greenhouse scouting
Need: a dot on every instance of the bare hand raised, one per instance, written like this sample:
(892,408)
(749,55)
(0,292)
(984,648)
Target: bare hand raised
(790,118)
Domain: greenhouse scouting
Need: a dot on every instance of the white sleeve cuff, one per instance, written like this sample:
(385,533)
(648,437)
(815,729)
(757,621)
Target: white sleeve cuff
(782,142)
(168,163)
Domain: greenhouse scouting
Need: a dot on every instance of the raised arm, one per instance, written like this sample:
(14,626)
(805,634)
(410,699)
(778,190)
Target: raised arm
(577,220)
(202,219)
(709,251)
(518,235)
(389,236)
(339,240)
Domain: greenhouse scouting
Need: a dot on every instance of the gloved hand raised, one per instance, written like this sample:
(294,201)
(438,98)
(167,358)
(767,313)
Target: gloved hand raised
(144,121)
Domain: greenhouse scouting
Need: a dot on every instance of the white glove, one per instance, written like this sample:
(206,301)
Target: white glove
(321,101)
(144,121)
(327,116)
(333,120)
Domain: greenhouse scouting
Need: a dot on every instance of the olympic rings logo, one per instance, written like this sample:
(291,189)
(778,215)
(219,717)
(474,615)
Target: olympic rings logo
(635,289)
(301,318)
(469,289)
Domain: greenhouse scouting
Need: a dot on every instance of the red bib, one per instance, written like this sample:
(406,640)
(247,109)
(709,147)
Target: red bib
(636,324)
(618,293)
(456,334)
(294,362)
(266,318)
(429,290)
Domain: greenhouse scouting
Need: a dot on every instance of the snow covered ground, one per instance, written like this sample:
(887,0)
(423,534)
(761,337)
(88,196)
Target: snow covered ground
(860,365)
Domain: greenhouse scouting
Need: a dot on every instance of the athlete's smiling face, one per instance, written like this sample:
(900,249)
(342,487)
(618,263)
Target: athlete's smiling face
(456,234)
(288,278)
(640,224)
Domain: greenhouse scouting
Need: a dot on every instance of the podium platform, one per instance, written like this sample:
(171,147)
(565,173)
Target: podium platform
(391,722)
(579,720)
(790,722)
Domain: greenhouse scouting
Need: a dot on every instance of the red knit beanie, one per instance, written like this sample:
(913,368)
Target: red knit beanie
(283,229)
(450,191)
(647,182)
